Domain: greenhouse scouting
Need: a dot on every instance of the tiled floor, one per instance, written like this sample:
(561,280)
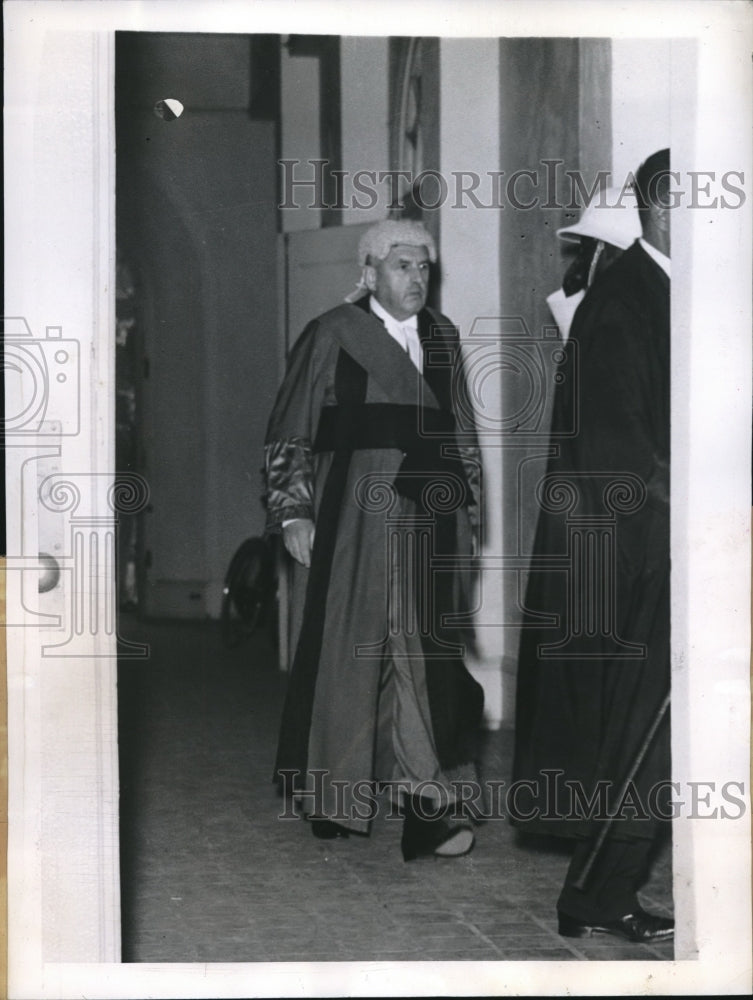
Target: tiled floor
(210,874)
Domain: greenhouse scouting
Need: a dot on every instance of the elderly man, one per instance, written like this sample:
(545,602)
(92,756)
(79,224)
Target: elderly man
(371,480)
(592,724)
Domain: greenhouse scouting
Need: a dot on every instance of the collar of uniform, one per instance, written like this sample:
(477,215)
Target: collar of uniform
(656,255)
(381,313)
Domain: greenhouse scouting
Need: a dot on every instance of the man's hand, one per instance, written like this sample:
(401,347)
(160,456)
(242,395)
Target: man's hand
(298,539)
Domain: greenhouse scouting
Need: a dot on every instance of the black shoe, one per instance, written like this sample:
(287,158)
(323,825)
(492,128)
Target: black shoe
(637,926)
(426,837)
(325,829)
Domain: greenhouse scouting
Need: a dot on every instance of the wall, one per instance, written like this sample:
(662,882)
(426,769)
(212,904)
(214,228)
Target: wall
(641,106)
(197,223)
(363,129)
(299,132)
(471,297)
(365,118)
(540,74)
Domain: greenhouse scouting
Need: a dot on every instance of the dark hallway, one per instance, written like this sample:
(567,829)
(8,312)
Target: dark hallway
(210,874)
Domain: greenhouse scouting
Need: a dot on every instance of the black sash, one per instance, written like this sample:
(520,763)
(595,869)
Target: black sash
(421,434)
(455,699)
(292,752)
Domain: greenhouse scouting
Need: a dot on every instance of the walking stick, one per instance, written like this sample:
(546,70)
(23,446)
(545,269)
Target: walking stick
(637,761)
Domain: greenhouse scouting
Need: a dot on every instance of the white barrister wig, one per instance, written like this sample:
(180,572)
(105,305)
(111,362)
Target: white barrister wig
(377,241)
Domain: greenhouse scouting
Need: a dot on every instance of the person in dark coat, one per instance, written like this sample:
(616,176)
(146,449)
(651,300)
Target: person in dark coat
(592,759)
(371,474)
(609,226)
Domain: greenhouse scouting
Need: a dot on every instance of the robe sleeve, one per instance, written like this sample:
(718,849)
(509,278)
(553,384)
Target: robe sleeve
(288,457)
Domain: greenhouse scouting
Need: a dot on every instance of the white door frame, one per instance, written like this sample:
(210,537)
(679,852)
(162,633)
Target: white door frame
(63,863)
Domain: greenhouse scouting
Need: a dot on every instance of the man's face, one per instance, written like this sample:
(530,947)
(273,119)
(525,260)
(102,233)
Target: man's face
(400,282)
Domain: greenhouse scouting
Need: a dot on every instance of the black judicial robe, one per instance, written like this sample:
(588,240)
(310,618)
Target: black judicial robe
(355,437)
(594,655)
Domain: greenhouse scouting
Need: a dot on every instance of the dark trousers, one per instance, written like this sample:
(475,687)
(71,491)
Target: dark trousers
(612,885)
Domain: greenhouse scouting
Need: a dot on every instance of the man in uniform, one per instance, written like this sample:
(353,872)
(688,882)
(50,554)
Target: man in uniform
(608,227)
(592,721)
(371,478)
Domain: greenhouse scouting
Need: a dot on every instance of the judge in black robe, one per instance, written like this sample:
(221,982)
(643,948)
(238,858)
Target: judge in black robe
(594,667)
(368,454)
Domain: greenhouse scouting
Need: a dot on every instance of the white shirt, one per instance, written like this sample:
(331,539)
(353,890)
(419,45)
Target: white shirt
(563,308)
(661,259)
(405,332)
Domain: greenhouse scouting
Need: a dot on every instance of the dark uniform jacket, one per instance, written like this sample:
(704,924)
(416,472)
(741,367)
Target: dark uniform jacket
(594,656)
